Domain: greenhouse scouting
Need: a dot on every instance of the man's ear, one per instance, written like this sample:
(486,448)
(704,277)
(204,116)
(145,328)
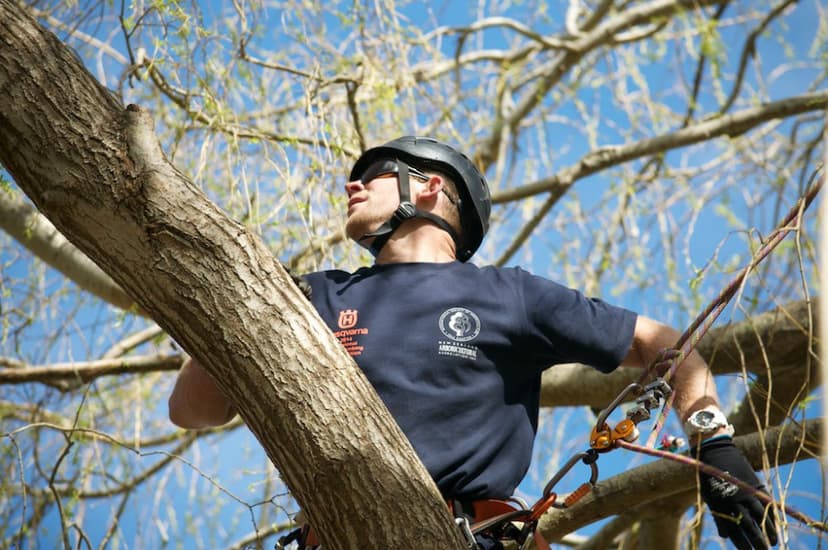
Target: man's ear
(431,189)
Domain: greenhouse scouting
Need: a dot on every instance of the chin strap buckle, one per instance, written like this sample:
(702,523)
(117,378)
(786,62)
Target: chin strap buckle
(405,211)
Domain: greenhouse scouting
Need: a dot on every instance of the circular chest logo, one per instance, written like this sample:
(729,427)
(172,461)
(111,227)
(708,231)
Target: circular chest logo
(460,324)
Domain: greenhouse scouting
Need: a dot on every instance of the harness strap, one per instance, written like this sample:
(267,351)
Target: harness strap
(405,211)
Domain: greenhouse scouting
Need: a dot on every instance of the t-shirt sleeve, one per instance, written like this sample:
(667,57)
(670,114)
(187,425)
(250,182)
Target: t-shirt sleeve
(564,326)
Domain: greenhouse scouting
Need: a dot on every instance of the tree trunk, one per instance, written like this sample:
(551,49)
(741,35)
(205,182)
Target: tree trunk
(97,172)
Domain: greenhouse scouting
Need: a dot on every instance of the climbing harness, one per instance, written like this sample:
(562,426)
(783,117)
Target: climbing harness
(512,520)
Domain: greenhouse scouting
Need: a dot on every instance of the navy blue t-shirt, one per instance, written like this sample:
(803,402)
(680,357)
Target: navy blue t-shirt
(456,352)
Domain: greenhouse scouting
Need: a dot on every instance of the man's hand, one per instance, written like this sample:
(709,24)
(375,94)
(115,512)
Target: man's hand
(739,515)
(196,402)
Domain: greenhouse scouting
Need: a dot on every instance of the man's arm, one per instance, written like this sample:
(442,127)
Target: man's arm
(692,381)
(196,402)
(739,515)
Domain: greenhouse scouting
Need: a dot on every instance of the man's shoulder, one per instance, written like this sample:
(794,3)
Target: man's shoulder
(329,274)
(399,272)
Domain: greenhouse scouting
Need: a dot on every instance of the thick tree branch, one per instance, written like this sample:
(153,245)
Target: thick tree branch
(86,372)
(601,159)
(132,341)
(725,125)
(601,35)
(769,343)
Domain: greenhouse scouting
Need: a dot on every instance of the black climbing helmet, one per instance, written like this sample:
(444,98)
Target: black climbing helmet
(422,152)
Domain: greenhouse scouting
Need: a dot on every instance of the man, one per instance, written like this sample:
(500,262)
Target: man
(456,352)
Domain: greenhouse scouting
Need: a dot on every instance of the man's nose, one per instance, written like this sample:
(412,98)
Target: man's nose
(353,187)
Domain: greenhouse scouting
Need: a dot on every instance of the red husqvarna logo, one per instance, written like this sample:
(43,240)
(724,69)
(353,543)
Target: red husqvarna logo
(348,318)
(349,334)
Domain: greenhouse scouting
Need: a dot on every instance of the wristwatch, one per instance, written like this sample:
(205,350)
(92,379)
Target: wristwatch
(707,421)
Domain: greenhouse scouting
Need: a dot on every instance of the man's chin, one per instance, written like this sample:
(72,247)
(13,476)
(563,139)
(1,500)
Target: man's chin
(355,229)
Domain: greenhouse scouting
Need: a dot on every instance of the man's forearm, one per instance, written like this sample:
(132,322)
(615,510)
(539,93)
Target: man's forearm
(692,381)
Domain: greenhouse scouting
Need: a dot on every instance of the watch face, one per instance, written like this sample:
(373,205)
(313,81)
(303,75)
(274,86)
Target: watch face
(704,419)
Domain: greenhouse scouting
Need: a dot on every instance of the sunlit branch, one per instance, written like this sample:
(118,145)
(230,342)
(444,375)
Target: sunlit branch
(597,15)
(692,101)
(749,50)
(36,418)
(490,22)
(181,98)
(430,70)
(81,36)
(114,521)
(730,125)
(259,535)
(32,230)
(56,495)
(86,372)
(121,488)
(132,341)
(316,247)
(565,61)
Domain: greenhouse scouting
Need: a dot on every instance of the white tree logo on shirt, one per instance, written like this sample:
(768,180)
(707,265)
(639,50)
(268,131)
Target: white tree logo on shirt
(460,324)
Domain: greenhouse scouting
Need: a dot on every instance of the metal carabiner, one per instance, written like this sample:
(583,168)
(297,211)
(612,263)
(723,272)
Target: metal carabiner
(587,458)
(465,529)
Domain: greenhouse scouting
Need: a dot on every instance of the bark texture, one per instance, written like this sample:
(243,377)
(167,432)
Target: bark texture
(97,172)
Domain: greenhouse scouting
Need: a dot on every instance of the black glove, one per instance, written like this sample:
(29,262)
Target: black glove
(299,281)
(739,515)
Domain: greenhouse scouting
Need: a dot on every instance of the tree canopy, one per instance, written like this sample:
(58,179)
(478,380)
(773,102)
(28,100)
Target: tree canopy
(641,151)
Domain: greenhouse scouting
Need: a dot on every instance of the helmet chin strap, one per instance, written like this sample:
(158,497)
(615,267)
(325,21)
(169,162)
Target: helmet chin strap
(405,211)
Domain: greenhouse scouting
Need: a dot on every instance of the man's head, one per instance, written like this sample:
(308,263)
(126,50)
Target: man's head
(434,171)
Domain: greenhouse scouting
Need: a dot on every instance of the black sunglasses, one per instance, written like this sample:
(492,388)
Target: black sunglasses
(387,168)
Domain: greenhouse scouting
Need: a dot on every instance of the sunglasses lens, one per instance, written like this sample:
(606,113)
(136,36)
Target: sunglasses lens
(378,168)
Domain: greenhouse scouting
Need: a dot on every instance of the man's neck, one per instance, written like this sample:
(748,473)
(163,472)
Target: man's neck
(422,242)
